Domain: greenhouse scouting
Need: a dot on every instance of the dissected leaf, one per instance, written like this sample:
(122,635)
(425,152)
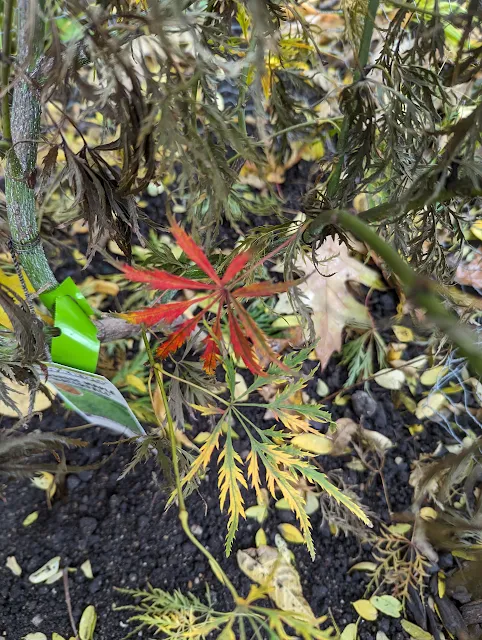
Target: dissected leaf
(416,632)
(87,624)
(365,609)
(268,567)
(46,571)
(333,307)
(388,605)
(390,379)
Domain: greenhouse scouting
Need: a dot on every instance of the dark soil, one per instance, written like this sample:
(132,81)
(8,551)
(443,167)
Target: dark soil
(122,528)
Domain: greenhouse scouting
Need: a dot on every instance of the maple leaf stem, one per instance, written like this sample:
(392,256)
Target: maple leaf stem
(183,514)
(421,290)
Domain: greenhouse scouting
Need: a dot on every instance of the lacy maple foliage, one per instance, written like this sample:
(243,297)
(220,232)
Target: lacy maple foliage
(247,339)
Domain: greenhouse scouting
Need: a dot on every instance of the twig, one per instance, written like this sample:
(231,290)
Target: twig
(68,602)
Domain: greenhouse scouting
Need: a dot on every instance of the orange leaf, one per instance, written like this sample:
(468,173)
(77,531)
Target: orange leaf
(263,289)
(210,357)
(162,280)
(236,265)
(179,337)
(258,337)
(194,252)
(162,312)
(242,348)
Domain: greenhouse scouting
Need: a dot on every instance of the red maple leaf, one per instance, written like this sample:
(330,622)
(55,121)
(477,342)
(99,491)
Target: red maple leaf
(246,337)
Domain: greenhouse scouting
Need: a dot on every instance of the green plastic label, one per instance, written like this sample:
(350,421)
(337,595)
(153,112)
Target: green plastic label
(77,345)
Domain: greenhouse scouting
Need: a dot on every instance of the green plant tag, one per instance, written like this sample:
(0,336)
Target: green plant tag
(94,398)
(77,345)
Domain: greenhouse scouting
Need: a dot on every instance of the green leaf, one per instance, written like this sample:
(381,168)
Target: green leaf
(88,623)
(417,633)
(322,480)
(388,605)
(349,632)
(30,519)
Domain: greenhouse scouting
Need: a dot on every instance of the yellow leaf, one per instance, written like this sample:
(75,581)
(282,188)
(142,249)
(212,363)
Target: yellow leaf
(136,382)
(313,442)
(415,428)
(290,533)
(428,513)
(260,538)
(86,569)
(417,633)
(476,229)
(441,584)
(57,636)
(20,395)
(431,376)
(13,565)
(429,406)
(341,400)
(403,334)
(202,437)
(45,572)
(365,609)
(38,635)
(30,519)
(13,283)
(87,623)
(45,481)
(364,566)
(272,569)
(106,287)
(400,529)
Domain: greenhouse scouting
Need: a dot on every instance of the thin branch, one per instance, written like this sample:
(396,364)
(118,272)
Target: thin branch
(422,291)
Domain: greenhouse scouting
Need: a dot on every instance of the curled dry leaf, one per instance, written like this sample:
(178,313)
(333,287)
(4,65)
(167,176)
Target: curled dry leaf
(390,379)
(45,572)
(13,565)
(270,568)
(325,291)
(470,273)
(345,430)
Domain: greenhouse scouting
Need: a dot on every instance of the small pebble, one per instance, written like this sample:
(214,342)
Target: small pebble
(363,404)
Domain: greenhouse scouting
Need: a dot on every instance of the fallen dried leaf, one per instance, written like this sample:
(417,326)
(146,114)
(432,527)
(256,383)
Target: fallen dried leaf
(325,290)
(290,533)
(30,519)
(13,565)
(46,571)
(390,379)
(268,567)
(388,605)
(313,442)
(86,569)
(87,623)
(416,632)
(365,609)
